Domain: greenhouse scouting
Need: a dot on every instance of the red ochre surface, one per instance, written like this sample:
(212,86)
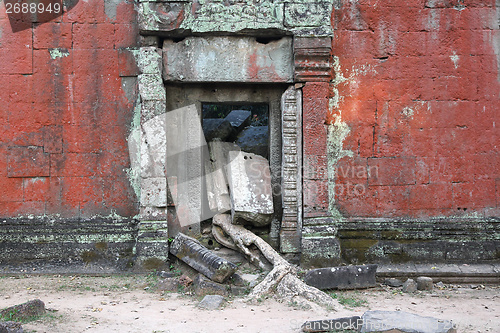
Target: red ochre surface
(418,87)
(64,119)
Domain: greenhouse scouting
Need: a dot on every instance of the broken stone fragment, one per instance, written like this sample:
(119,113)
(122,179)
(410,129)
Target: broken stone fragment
(346,324)
(344,277)
(200,258)
(249,180)
(254,139)
(203,286)
(217,187)
(399,321)
(410,286)
(26,311)
(217,128)
(424,283)
(392,282)
(10,327)
(239,119)
(211,302)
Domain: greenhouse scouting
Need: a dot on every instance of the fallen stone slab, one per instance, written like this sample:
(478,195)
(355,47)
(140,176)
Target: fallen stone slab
(202,259)
(344,277)
(217,187)
(425,283)
(203,286)
(217,128)
(333,325)
(254,139)
(239,119)
(393,282)
(410,286)
(25,312)
(211,302)
(249,180)
(403,322)
(10,327)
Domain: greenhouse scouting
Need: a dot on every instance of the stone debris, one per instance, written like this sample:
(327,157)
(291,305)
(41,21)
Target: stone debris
(410,286)
(344,277)
(254,139)
(425,283)
(249,180)
(203,286)
(211,302)
(403,322)
(25,311)
(185,280)
(333,325)
(202,259)
(392,282)
(168,284)
(239,119)
(10,327)
(219,200)
(217,128)
(250,280)
(382,321)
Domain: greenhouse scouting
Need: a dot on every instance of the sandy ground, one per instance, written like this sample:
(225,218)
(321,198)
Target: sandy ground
(130,304)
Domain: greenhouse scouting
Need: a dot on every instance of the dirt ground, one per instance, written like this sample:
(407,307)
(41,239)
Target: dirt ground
(131,304)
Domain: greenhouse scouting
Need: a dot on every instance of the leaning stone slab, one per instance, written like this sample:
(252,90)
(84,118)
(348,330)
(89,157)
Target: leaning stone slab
(403,322)
(333,325)
(344,277)
(10,327)
(25,311)
(200,258)
(216,128)
(211,302)
(239,119)
(254,139)
(249,180)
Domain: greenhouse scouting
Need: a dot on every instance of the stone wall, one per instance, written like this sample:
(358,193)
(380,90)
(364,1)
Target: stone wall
(67,95)
(400,104)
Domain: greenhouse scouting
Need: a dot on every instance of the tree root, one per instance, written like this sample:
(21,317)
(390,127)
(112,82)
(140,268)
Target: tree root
(282,279)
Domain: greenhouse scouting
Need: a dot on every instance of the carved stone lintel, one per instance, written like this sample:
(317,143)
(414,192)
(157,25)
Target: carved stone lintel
(291,226)
(312,59)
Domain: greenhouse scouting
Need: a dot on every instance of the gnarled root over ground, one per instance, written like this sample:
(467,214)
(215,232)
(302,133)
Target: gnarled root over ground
(282,279)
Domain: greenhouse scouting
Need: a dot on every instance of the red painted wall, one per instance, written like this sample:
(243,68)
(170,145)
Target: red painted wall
(64,119)
(417,82)
(419,89)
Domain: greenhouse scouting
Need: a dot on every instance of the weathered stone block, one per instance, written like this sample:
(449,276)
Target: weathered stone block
(345,277)
(410,286)
(11,327)
(320,251)
(227,59)
(216,128)
(333,325)
(250,184)
(255,140)
(239,119)
(425,283)
(211,302)
(160,16)
(203,286)
(392,282)
(28,162)
(151,87)
(149,60)
(200,258)
(154,192)
(399,321)
(25,311)
(307,14)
